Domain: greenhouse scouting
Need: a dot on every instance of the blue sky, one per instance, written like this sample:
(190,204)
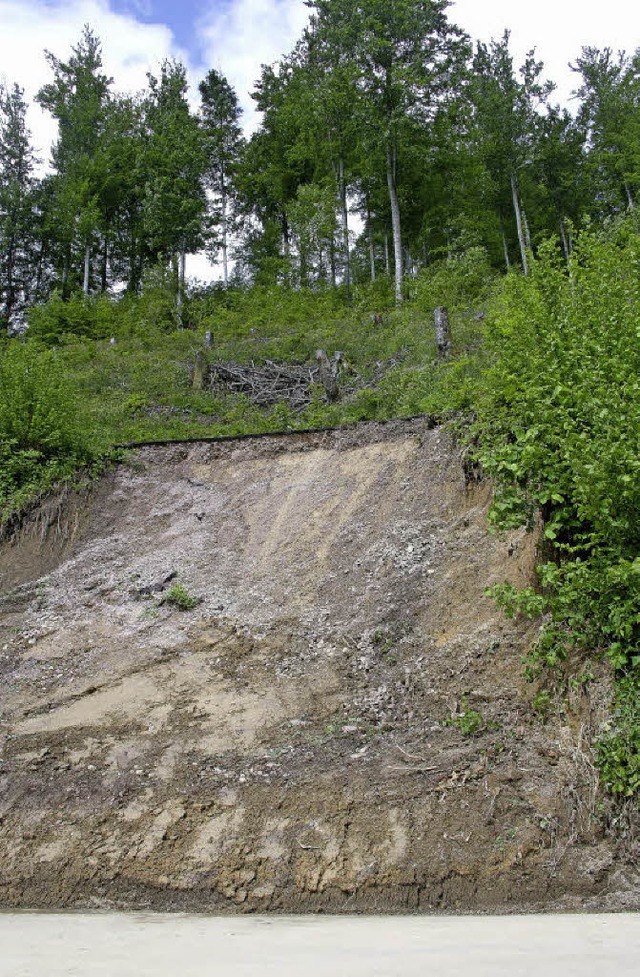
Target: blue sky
(182,16)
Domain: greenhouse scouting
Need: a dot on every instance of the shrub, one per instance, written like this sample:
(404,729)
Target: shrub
(43,436)
(179,597)
(559,425)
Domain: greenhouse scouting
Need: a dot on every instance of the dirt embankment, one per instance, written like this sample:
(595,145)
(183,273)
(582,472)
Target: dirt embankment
(296,742)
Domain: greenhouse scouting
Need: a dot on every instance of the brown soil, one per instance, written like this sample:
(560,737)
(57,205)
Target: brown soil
(295,742)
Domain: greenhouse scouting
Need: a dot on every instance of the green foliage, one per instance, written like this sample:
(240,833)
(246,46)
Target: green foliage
(460,283)
(43,436)
(559,425)
(179,597)
(541,703)
(469,721)
(93,318)
(619,748)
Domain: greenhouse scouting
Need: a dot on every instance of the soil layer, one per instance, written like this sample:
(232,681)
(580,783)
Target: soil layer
(341,724)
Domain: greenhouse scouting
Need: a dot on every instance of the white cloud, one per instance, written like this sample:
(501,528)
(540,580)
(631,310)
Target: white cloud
(130,48)
(558,29)
(241,36)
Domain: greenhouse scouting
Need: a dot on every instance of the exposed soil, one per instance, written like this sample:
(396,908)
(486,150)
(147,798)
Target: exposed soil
(297,741)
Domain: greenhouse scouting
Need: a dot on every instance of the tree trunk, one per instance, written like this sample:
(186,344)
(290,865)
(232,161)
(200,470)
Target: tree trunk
(332,261)
(39,270)
(630,200)
(443,335)
(395,222)
(10,291)
(504,242)
(527,232)
(200,371)
(564,239)
(105,265)
(516,207)
(303,265)
(87,269)
(344,214)
(286,250)
(181,269)
(225,250)
(387,266)
(65,274)
(372,254)
(328,375)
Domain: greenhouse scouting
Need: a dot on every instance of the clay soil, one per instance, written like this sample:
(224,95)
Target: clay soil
(341,724)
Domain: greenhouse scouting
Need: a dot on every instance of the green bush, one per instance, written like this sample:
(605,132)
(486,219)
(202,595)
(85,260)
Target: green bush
(93,318)
(43,436)
(180,598)
(559,426)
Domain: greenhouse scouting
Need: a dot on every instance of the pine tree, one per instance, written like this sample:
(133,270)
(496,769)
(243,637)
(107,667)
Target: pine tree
(17,201)
(77,98)
(174,165)
(220,120)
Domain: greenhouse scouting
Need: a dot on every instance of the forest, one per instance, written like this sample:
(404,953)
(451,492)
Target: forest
(398,167)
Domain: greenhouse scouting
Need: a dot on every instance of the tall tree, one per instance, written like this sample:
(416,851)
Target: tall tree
(271,171)
(220,119)
(17,186)
(610,114)
(559,168)
(329,112)
(175,202)
(77,98)
(506,107)
(406,54)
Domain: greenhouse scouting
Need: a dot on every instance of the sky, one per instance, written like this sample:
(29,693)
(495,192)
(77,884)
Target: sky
(237,36)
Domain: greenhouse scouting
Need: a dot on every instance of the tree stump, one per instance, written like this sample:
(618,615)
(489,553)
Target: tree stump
(443,335)
(200,371)
(328,375)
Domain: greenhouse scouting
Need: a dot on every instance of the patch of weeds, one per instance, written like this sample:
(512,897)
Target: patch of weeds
(541,704)
(180,598)
(618,749)
(469,721)
(583,679)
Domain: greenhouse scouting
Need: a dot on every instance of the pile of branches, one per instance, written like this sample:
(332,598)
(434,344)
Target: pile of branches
(266,383)
(269,383)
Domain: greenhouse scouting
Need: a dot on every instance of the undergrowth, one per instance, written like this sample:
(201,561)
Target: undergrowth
(559,433)
(45,438)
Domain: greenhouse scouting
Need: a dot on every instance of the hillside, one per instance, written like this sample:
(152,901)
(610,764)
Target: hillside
(340,723)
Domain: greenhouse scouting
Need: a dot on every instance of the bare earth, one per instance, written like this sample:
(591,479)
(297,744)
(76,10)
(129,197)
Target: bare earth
(293,743)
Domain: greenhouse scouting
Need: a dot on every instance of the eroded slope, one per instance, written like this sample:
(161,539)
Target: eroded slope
(296,742)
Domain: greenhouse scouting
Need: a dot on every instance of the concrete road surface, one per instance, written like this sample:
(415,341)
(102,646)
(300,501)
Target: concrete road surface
(141,945)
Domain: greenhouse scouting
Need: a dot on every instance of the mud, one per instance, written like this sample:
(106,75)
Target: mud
(294,743)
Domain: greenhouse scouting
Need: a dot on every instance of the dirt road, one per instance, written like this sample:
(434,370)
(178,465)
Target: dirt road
(144,945)
(341,722)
